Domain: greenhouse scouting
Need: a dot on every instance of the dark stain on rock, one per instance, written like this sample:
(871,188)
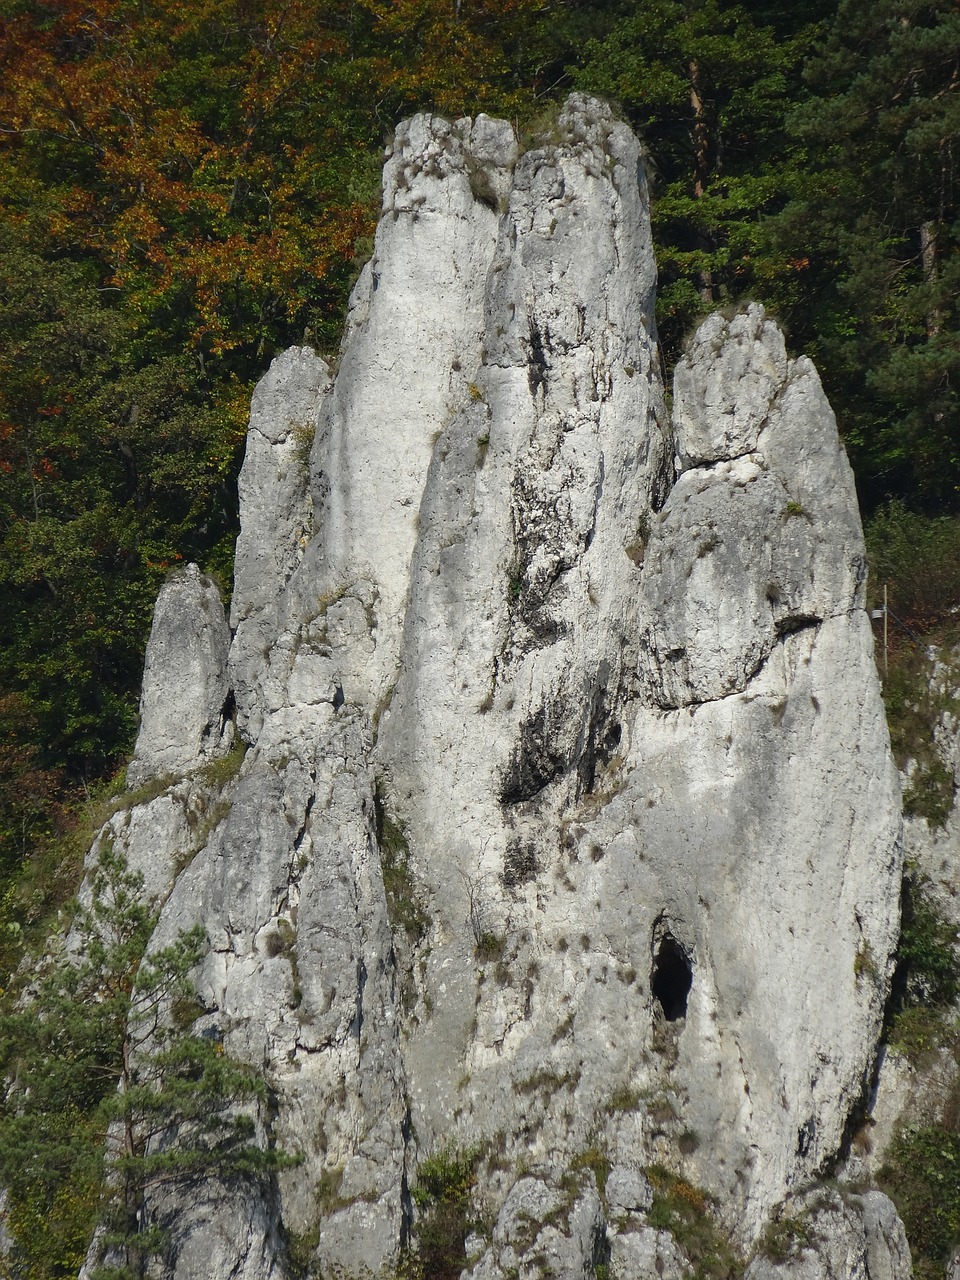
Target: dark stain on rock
(519,863)
(601,737)
(537,365)
(535,763)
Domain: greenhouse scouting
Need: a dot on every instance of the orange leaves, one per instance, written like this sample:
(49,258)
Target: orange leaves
(215,154)
(451,56)
(182,184)
(171,116)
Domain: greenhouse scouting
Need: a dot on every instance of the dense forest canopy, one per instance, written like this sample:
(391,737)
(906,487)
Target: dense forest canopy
(186,186)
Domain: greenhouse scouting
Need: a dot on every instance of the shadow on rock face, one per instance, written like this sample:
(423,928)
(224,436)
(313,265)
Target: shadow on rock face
(672,978)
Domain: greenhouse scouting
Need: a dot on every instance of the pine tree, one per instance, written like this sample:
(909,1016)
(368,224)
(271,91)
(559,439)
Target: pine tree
(873,228)
(110,1094)
(705,83)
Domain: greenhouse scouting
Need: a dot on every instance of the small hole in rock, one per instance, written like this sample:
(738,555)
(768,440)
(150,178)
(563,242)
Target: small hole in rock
(672,978)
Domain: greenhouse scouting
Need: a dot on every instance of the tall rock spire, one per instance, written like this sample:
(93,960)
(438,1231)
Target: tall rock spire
(566,843)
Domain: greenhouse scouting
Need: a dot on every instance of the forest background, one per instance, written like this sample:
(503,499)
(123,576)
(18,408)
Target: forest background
(188,186)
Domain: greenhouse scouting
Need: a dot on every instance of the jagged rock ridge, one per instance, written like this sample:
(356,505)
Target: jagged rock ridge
(613,680)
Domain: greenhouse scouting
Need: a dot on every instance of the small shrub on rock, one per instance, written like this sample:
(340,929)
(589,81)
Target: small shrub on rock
(926,981)
(922,1176)
(687,1212)
(442,1196)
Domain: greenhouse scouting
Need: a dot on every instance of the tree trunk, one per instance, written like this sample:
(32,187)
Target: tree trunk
(701,171)
(928,261)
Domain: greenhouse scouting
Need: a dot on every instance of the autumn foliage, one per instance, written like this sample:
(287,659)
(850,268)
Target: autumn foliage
(183,187)
(187,186)
(219,158)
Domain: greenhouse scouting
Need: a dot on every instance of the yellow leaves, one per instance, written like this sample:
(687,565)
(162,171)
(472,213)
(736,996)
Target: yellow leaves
(134,230)
(234,403)
(459,54)
(218,155)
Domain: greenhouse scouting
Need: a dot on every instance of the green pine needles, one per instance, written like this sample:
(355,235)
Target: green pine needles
(110,1096)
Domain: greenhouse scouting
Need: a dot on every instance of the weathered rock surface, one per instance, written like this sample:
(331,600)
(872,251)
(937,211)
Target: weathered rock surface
(274,491)
(614,683)
(759,540)
(184,711)
(839,1235)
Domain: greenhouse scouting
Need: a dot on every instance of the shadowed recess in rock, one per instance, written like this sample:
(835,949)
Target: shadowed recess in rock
(672,978)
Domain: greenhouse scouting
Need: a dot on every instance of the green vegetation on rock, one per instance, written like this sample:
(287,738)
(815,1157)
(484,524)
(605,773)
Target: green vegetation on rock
(403,904)
(927,977)
(442,1195)
(111,1094)
(922,1175)
(687,1212)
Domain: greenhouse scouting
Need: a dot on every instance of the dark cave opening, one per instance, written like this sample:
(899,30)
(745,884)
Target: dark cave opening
(672,978)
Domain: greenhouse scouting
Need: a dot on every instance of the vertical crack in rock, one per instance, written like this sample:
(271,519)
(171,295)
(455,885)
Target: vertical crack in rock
(612,683)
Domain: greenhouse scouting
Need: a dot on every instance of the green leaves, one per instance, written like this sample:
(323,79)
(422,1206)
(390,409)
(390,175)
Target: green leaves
(926,980)
(876,303)
(109,467)
(829,195)
(928,951)
(442,1196)
(182,188)
(919,558)
(687,1212)
(104,1045)
(922,1174)
(705,84)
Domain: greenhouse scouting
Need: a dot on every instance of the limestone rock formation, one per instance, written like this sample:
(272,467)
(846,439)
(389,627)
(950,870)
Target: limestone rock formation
(566,839)
(184,709)
(833,1235)
(274,493)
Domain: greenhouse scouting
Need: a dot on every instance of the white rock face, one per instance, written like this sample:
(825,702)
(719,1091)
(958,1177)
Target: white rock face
(721,406)
(409,357)
(183,714)
(842,1236)
(760,540)
(300,973)
(277,513)
(614,681)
